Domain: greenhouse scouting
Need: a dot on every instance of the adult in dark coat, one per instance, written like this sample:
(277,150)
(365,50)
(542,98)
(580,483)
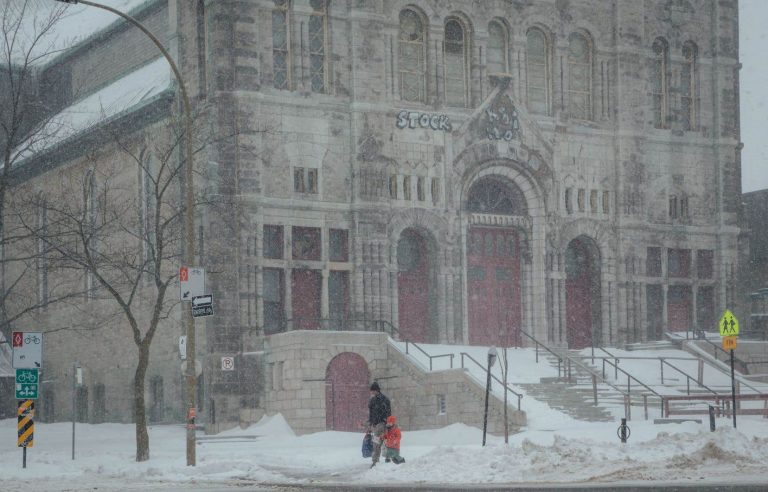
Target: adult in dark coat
(378,411)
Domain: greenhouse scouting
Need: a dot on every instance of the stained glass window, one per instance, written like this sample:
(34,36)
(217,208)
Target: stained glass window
(537,70)
(455,52)
(579,77)
(497,48)
(688,87)
(660,83)
(281,45)
(412,64)
(317,41)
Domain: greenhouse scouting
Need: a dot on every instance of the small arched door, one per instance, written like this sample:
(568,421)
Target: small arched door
(582,292)
(413,286)
(346,392)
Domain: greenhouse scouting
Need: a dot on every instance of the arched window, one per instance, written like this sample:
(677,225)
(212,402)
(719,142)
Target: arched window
(689,87)
(318,28)
(201,49)
(455,53)
(498,48)
(660,83)
(412,58)
(537,71)
(579,77)
(490,195)
(281,45)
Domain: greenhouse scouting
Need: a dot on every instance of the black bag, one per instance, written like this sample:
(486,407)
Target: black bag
(367,446)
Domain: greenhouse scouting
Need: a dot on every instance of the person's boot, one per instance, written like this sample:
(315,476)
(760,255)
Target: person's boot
(387,460)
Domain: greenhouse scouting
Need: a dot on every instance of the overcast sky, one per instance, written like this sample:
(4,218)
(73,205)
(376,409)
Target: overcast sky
(753,30)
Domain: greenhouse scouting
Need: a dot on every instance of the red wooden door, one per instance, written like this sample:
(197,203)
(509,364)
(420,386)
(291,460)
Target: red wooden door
(493,283)
(413,287)
(346,392)
(580,294)
(679,308)
(305,299)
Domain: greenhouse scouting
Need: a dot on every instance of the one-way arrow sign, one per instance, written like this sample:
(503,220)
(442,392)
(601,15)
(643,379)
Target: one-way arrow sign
(202,306)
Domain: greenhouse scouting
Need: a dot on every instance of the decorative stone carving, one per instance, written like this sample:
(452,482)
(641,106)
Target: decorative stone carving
(500,121)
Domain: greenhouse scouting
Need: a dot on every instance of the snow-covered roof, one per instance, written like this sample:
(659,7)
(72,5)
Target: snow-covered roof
(125,94)
(75,24)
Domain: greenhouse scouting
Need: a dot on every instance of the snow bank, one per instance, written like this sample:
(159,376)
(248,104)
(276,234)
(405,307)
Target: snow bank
(580,452)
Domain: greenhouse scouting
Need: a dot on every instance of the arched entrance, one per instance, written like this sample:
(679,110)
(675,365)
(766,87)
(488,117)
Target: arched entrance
(582,292)
(413,286)
(493,263)
(346,392)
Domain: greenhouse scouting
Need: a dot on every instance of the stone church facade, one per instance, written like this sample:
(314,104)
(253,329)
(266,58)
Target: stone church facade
(480,172)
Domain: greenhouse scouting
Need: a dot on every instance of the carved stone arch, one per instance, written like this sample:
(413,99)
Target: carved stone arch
(595,230)
(434,226)
(516,174)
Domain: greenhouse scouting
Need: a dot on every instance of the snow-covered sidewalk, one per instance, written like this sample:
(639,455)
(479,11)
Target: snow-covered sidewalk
(578,452)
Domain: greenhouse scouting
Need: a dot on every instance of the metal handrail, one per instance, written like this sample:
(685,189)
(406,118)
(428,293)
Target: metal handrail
(718,348)
(631,377)
(407,343)
(560,357)
(738,378)
(688,377)
(488,369)
(537,343)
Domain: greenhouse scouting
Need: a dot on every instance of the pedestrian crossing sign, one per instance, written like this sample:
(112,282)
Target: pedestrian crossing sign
(728,324)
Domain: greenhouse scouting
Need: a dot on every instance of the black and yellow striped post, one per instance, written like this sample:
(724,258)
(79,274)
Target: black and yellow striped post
(26,426)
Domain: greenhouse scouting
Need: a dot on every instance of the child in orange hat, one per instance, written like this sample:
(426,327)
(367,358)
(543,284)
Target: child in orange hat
(392,441)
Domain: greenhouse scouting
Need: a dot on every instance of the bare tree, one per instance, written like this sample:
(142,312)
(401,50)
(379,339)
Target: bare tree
(116,223)
(27,38)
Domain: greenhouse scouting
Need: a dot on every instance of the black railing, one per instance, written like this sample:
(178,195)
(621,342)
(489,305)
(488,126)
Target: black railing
(487,370)
(430,357)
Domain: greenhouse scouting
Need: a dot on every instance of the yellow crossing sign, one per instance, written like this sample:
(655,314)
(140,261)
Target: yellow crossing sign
(728,324)
(729,343)
(26,414)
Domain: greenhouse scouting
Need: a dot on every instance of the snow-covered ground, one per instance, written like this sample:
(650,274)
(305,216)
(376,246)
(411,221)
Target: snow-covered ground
(269,452)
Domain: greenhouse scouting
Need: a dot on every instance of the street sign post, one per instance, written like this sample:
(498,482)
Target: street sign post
(26,427)
(27,381)
(202,306)
(191,282)
(729,330)
(27,349)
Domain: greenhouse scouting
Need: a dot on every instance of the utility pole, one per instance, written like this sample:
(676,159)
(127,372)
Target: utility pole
(189,222)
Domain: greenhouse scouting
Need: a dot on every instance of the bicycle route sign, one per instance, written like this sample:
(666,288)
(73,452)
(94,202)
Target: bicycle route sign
(27,349)
(27,384)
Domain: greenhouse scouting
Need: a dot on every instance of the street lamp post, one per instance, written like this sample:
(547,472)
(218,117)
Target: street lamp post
(491,360)
(189,222)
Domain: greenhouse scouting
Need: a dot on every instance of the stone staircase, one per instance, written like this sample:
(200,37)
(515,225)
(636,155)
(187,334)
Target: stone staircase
(575,396)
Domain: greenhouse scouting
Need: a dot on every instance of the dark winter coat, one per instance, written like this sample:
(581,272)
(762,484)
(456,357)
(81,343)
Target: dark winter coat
(378,409)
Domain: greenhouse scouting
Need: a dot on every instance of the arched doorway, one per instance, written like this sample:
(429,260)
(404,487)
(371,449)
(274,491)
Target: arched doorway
(413,286)
(582,292)
(346,392)
(493,263)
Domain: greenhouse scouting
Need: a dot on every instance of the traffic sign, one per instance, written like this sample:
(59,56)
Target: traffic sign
(729,343)
(27,381)
(202,306)
(191,282)
(26,424)
(27,349)
(728,324)
(227,363)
